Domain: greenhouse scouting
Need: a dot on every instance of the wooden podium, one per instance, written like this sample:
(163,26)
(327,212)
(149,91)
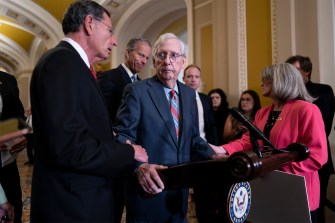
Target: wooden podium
(240,167)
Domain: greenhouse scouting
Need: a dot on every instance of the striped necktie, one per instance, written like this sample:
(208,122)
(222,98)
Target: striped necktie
(174,110)
(134,78)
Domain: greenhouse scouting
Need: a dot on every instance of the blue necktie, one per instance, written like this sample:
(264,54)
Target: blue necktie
(134,78)
(174,110)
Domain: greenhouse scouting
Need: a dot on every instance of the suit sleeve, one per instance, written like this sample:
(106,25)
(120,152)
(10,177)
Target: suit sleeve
(326,103)
(71,120)
(128,116)
(312,134)
(200,149)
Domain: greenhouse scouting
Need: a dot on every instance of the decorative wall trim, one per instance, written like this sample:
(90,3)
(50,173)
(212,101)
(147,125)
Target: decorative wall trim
(274,29)
(242,46)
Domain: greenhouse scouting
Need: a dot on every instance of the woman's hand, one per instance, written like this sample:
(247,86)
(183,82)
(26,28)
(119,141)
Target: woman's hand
(220,152)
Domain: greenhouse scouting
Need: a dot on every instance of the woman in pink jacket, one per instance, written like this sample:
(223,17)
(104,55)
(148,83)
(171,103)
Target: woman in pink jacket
(290,118)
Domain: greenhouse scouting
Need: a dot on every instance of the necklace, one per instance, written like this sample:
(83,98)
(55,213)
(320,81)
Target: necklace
(273,117)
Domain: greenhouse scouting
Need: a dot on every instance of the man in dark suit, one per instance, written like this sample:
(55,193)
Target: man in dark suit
(160,114)
(112,84)
(326,103)
(207,130)
(203,194)
(76,157)
(11,107)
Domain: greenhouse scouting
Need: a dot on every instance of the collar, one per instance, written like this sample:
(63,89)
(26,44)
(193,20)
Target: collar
(79,49)
(128,71)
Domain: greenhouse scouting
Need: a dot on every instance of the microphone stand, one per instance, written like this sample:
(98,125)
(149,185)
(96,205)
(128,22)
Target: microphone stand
(255,145)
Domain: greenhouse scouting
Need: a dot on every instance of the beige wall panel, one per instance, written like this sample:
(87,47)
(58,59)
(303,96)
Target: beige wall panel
(207,58)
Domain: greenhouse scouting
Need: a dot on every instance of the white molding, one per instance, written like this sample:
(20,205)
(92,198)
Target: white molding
(14,51)
(203,4)
(45,21)
(242,47)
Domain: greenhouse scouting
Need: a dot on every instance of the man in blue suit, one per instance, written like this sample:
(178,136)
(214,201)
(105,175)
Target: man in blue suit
(144,118)
(113,82)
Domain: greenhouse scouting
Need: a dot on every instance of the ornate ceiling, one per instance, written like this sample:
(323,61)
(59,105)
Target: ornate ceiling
(29,27)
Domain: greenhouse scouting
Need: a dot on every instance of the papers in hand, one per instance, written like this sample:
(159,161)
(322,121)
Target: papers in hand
(11,129)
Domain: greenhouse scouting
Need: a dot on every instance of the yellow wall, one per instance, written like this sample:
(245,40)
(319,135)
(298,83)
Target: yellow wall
(207,58)
(259,48)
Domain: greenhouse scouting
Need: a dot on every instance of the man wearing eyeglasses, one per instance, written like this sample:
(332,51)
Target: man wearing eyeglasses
(160,114)
(112,84)
(76,156)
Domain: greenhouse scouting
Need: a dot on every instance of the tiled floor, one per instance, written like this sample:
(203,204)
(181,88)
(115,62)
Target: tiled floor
(26,174)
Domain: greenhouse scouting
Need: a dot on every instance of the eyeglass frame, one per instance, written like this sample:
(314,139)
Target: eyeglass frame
(111,29)
(173,56)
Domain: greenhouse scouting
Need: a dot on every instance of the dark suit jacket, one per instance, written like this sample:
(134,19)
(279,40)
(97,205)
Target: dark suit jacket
(12,106)
(210,128)
(76,156)
(112,84)
(326,103)
(144,117)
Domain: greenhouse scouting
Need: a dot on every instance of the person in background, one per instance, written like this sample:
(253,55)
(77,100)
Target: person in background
(249,104)
(160,114)
(203,196)
(326,103)
(6,210)
(113,82)
(30,138)
(207,129)
(11,107)
(289,119)
(76,156)
(221,111)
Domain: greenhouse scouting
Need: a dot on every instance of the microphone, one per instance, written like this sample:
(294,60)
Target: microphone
(254,131)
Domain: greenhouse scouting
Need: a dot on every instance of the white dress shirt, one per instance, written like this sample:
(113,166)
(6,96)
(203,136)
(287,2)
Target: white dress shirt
(201,117)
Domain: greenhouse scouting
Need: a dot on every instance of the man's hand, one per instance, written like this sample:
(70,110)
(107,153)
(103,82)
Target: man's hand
(15,145)
(149,179)
(140,153)
(6,213)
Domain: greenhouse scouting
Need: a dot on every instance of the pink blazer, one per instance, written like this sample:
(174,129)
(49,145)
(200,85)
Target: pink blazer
(299,121)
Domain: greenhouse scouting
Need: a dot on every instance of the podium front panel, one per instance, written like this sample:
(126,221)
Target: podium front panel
(279,197)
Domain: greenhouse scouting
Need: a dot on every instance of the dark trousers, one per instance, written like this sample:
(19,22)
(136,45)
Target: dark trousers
(118,191)
(30,147)
(324,175)
(211,202)
(10,181)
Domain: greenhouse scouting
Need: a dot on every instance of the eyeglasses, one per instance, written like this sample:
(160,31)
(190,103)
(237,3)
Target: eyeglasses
(163,55)
(110,28)
(246,99)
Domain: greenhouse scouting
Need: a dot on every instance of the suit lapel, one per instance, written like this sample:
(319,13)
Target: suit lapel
(158,97)
(183,103)
(124,75)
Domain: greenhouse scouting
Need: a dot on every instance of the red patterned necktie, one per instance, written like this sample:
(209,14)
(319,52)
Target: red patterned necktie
(174,110)
(93,72)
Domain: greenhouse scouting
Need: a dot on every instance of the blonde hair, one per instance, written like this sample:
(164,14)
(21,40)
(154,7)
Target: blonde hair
(287,82)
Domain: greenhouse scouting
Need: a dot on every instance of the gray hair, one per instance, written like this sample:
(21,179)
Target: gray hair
(131,45)
(75,14)
(287,82)
(165,37)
